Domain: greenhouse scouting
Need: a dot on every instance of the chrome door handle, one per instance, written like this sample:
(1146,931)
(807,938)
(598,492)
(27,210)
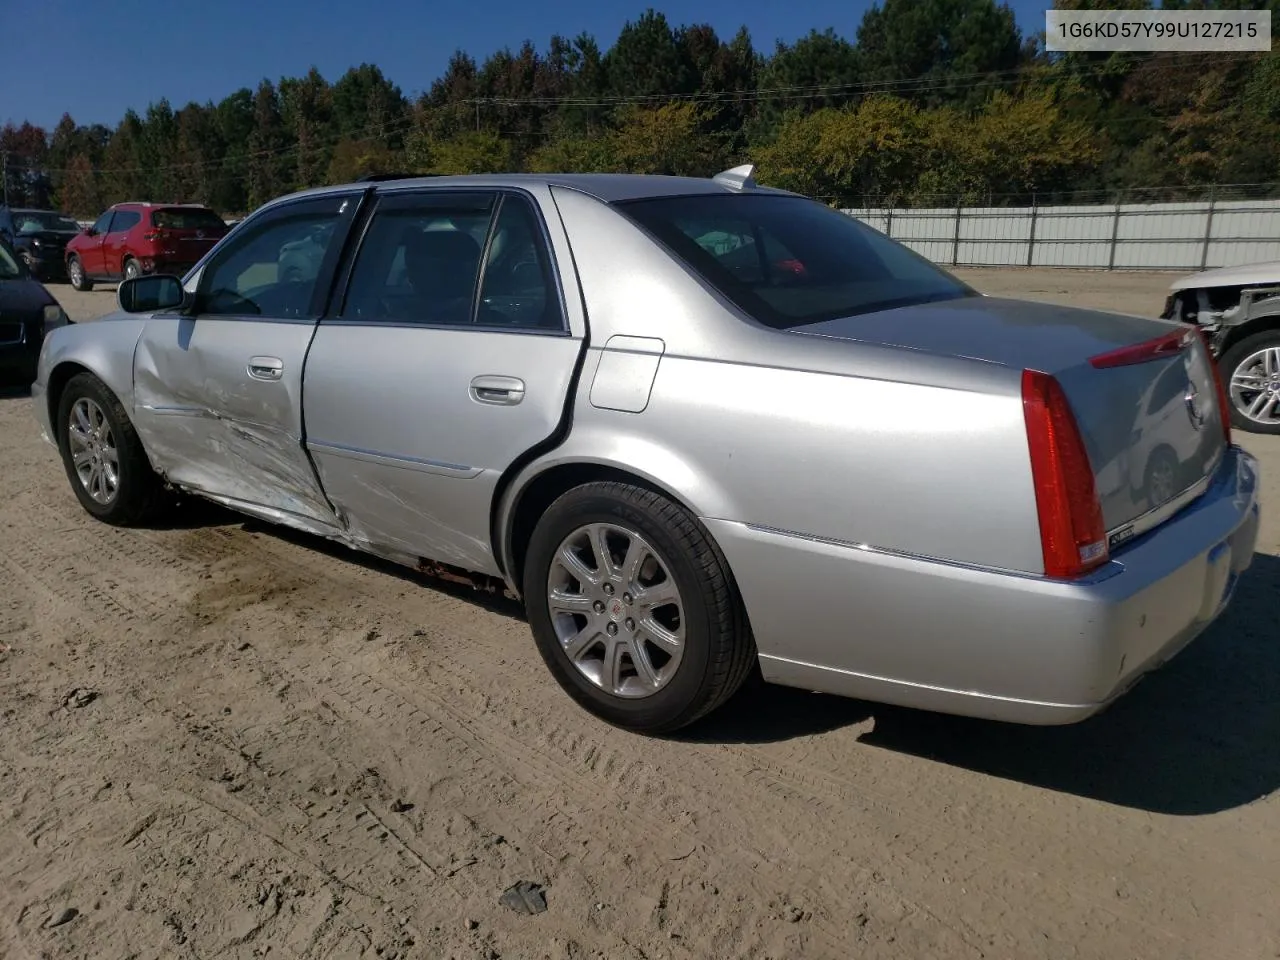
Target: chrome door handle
(505,391)
(265,368)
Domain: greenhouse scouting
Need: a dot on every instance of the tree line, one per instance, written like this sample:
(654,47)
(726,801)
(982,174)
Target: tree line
(931,100)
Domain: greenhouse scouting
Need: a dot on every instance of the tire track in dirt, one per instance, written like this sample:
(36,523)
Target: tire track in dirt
(966,863)
(792,786)
(478,678)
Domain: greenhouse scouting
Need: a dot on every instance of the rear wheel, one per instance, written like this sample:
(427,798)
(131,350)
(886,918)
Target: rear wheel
(131,268)
(104,459)
(633,608)
(75,274)
(1251,371)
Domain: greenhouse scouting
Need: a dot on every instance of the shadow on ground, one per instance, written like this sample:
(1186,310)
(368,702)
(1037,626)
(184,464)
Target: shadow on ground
(1200,736)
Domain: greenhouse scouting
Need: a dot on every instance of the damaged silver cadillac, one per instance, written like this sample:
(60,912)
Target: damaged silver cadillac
(697,426)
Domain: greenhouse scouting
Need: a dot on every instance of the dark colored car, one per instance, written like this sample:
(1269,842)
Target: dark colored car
(39,238)
(27,312)
(132,239)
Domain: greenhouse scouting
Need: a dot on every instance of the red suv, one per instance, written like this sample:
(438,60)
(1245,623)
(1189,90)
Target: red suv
(131,239)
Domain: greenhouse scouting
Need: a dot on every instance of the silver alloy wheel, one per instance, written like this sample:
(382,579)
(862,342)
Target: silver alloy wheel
(1255,386)
(616,610)
(93,451)
(131,270)
(76,271)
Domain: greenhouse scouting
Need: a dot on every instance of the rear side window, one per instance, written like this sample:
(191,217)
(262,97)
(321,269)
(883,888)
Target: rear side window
(426,256)
(186,219)
(789,261)
(125,220)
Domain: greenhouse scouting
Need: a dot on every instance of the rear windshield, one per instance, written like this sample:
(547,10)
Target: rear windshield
(788,261)
(189,219)
(38,221)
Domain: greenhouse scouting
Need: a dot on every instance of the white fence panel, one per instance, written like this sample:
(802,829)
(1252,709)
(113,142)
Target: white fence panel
(1185,236)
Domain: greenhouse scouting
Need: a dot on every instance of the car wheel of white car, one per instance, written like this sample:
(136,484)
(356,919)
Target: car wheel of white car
(633,608)
(1251,371)
(108,469)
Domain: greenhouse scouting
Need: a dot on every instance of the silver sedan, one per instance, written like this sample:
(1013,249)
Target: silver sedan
(700,427)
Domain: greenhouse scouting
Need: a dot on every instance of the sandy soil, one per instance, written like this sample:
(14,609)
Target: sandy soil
(225,741)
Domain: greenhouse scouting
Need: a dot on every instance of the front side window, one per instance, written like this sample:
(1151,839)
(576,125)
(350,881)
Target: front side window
(100,225)
(789,261)
(271,270)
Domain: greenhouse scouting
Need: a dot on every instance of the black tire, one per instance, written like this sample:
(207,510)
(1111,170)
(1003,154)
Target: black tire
(131,269)
(140,495)
(76,269)
(1231,360)
(719,651)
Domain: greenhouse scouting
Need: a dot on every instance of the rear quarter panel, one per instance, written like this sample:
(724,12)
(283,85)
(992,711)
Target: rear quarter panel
(822,438)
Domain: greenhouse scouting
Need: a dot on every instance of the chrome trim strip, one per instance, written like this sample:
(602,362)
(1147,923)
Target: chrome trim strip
(456,470)
(1158,515)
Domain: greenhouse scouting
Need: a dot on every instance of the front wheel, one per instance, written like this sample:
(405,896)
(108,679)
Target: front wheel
(633,608)
(104,459)
(1251,371)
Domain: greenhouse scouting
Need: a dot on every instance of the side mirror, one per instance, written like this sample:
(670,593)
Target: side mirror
(90,232)
(150,294)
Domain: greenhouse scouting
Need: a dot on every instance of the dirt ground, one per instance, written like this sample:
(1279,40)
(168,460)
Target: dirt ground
(224,741)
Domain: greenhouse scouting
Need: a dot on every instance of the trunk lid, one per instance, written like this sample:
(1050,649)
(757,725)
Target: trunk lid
(1152,429)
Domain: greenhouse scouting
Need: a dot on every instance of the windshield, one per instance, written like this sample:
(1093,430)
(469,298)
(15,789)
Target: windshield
(8,265)
(187,219)
(38,221)
(788,261)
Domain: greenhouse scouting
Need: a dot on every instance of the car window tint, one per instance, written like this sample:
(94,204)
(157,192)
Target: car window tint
(100,225)
(271,270)
(788,261)
(187,218)
(125,220)
(419,260)
(517,289)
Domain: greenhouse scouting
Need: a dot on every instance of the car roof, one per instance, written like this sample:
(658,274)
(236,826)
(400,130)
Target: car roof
(608,187)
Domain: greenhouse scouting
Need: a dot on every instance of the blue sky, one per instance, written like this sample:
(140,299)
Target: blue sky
(96,60)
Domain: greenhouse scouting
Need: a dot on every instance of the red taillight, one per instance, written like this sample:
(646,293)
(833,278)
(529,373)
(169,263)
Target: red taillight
(155,236)
(1164,345)
(1224,409)
(1072,534)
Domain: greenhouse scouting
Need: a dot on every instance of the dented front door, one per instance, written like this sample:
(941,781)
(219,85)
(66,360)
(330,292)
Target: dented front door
(218,394)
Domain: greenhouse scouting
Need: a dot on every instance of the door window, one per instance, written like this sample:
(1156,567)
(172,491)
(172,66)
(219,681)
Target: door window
(271,270)
(100,225)
(125,220)
(420,259)
(425,256)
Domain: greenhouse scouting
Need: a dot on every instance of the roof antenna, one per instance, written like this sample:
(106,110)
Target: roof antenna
(739,178)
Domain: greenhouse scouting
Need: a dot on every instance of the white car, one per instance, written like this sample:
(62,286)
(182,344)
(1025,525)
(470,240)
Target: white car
(1238,308)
